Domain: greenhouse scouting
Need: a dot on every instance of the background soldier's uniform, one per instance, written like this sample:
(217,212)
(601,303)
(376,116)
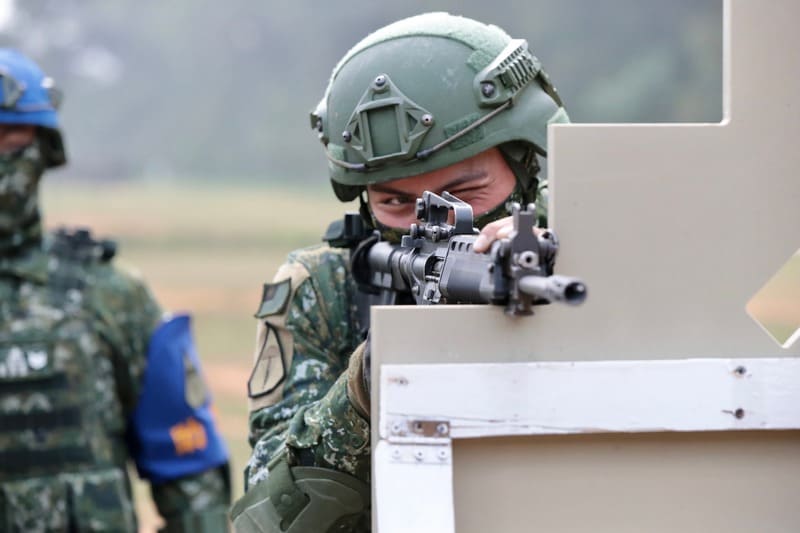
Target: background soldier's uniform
(90,374)
(73,344)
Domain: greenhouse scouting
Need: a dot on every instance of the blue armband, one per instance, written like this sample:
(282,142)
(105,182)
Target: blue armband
(172,432)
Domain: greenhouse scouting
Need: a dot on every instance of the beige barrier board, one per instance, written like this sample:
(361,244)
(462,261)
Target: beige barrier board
(660,404)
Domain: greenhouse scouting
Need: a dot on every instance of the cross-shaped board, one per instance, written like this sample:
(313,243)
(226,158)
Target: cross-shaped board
(646,409)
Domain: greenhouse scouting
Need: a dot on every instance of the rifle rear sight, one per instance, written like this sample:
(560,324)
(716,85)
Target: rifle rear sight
(434,210)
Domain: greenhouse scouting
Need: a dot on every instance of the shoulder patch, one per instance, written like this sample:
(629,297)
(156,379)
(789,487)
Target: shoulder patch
(274,298)
(195,390)
(274,341)
(269,371)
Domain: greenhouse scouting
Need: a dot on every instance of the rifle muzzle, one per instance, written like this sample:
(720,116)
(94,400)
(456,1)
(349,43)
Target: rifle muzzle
(554,288)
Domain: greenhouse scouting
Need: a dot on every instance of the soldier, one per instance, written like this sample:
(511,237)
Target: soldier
(90,373)
(434,102)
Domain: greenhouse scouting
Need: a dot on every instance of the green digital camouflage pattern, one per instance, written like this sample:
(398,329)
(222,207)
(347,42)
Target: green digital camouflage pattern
(73,338)
(314,423)
(19,176)
(63,500)
(182,500)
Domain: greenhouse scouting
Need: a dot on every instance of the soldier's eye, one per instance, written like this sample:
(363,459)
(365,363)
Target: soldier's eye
(397,200)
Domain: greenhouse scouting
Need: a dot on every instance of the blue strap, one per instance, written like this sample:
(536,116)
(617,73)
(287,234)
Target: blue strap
(172,432)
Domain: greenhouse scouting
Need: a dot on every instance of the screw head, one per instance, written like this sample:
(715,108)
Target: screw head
(488,89)
(442,429)
(380,80)
(427,120)
(347,136)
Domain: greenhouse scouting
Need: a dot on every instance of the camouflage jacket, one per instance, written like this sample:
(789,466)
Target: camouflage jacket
(308,328)
(73,339)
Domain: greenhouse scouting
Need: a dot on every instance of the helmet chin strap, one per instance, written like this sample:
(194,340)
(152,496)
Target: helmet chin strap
(522,160)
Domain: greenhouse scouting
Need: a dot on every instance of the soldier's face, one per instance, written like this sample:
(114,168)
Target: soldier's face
(483,181)
(15,136)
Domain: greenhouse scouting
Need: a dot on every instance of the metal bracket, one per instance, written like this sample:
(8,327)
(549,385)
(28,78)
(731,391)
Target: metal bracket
(420,441)
(402,429)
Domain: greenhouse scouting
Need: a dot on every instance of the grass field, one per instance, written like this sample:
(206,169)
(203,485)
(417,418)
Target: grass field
(205,250)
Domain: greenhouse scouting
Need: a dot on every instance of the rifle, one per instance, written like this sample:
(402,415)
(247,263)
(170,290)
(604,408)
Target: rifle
(435,262)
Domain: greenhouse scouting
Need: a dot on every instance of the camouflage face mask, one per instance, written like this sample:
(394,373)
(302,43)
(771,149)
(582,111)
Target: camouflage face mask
(20,172)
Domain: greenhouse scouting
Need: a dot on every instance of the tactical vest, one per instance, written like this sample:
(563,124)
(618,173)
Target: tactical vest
(62,449)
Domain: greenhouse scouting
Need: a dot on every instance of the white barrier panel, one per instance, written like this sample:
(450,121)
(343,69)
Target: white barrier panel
(674,227)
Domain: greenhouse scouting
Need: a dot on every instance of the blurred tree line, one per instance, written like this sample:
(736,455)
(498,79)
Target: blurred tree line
(201,89)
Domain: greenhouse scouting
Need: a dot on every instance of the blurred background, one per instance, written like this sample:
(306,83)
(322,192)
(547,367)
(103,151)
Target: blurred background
(187,128)
(201,90)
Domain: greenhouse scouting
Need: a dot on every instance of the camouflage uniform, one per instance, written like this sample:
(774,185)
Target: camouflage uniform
(415,97)
(73,335)
(309,416)
(301,413)
(90,375)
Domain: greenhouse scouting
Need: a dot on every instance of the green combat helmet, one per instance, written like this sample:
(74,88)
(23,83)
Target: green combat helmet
(429,91)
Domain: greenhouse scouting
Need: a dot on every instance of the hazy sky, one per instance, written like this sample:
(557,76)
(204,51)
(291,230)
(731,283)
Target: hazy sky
(201,89)
(6,12)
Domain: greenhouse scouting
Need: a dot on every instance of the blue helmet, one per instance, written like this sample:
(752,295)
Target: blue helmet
(27,96)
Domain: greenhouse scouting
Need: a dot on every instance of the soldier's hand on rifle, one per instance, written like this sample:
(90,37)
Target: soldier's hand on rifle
(499,229)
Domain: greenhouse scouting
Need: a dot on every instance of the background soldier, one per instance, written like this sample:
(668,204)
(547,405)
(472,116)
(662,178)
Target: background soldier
(434,102)
(89,373)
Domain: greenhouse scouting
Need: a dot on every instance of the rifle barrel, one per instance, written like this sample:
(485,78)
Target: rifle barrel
(554,288)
